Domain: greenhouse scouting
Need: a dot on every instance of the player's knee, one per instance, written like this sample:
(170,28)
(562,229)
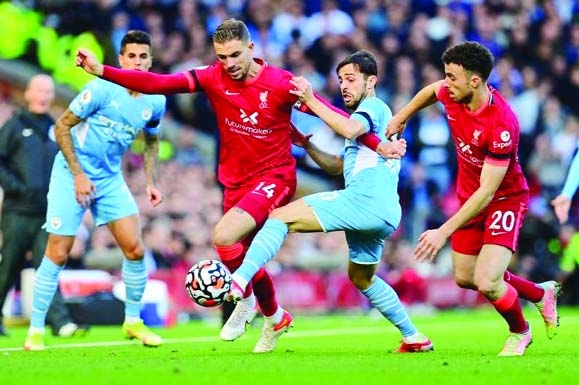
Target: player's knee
(57,251)
(487,288)
(135,252)
(222,236)
(225,234)
(58,256)
(464,283)
(361,280)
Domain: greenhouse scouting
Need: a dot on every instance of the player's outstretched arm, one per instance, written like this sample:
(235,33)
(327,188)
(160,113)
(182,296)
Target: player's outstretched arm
(424,98)
(368,139)
(140,81)
(343,125)
(86,60)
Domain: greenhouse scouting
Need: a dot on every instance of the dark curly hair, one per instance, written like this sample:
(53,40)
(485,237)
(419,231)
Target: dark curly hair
(472,56)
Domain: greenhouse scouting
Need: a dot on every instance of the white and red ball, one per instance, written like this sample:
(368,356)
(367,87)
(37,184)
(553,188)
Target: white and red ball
(208,283)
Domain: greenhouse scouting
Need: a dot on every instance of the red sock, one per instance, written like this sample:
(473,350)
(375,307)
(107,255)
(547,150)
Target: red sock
(232,257)
(509,308)
(265,292)
(526,289)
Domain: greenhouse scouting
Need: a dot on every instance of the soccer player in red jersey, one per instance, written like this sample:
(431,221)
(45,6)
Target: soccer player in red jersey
(253,107)
(491,188)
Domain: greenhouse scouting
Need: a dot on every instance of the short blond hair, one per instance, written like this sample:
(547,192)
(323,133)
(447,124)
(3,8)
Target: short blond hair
(231,29)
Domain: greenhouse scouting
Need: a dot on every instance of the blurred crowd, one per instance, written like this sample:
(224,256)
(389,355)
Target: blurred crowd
(536,47)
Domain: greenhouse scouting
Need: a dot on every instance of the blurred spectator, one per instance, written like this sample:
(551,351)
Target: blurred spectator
(536,45)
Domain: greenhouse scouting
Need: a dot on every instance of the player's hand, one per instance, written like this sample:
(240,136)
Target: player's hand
(430,243)
(86,60)
(299,138)
(396,126)
(562,204)
(303,88)
(155,196)
(84,190)
(395,149)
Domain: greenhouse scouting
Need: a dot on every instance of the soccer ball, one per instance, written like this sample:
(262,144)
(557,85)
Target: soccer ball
(208,283)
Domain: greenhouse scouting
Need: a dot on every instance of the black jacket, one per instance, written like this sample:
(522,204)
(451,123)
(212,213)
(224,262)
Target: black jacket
(26,158)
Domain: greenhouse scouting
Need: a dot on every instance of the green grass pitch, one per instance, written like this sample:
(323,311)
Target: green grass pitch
(333,349)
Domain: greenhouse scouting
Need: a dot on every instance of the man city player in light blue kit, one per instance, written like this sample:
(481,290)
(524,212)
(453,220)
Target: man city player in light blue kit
(368,209)
(93,134)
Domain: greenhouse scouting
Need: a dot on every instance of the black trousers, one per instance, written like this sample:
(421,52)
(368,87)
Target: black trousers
(20,234)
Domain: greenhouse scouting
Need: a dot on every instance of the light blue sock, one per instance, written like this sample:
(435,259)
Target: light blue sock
(135,278)
(264,247)
(385,299)
(45,285)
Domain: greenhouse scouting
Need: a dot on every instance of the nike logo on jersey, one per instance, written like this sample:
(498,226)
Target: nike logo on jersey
(450,118)
(27,132)
(227,92)
(493,233)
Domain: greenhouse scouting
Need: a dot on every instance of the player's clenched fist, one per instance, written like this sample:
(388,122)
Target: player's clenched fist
(88,62)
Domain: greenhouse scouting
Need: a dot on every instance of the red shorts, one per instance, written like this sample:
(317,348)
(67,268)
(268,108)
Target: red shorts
(259,198)
(499,224)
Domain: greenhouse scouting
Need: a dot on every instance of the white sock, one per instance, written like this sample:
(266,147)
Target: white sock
(249,301)
(414,338)
(32,330)
(242,282)
(132,320)
(276,317)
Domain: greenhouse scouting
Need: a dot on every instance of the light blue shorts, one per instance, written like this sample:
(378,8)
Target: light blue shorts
(113,200)
(345,210)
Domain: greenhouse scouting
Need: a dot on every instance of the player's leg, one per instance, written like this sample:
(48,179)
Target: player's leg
(58,316)
(246,210)
(62,221)
(229,232)
(488,277)
(264,247)
(297,216)
(128,235)
(45,286)
(503,228)
(365,251)
(17,238)
(115,206)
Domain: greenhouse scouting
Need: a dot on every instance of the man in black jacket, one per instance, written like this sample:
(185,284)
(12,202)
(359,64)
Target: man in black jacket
(26,155)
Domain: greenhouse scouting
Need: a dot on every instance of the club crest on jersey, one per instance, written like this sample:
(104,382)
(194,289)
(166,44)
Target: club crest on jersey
(85,96)
(475,136)
(55,223)
(263,100)
(146,114)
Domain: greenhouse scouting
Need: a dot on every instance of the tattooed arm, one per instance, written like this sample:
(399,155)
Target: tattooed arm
(62,132)
(150,155)
(84,189)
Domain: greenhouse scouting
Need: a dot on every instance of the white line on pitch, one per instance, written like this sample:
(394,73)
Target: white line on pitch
(296,334)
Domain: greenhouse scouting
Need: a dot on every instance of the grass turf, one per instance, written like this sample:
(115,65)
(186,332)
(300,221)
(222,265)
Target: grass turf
(335,349)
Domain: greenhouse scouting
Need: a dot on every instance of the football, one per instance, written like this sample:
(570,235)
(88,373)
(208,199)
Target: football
(208,283)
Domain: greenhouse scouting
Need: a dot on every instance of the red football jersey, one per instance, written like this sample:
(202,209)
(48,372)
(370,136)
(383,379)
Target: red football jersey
(253,118)
(490,134)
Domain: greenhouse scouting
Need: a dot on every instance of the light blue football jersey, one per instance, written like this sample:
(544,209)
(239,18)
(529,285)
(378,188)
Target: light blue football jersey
(366,172)
(112,119)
